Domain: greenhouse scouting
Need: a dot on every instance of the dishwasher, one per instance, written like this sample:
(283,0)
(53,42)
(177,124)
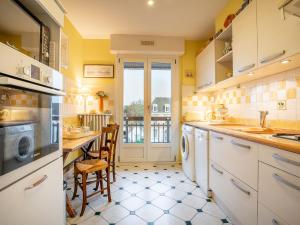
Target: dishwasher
(201,160)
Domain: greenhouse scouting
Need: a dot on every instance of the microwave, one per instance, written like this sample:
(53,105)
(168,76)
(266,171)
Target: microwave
(21,30)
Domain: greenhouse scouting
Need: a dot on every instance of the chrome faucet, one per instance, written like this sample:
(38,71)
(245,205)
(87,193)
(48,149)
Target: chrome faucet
(263,115)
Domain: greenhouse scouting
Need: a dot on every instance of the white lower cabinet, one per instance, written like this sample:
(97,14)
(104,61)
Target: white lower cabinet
(239,157)
(267,217)
(239,198)
(36,199)
(280,192)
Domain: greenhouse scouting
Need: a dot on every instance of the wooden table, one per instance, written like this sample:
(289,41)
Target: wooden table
(71,145)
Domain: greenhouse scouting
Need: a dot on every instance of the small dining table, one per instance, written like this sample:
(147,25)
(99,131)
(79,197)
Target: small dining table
(71,145)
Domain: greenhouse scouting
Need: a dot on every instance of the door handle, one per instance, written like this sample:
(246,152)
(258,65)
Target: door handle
(39,182)
(283,159)
(217,137)
(248,67)
(287,183)
(239,187)
(241,145)
(217,170)
(272,57)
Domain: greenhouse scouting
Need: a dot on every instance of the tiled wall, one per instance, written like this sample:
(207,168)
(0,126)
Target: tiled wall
(76,99)
(245,102)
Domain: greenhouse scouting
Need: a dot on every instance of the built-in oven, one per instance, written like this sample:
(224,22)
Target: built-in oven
(29,122)
(30,116)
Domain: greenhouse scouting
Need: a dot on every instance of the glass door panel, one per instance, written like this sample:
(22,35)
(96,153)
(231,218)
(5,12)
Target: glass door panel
(161,102)
(133,103)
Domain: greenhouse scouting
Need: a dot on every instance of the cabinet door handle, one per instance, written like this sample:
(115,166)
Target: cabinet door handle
(217,137)
(39,182)
(248,67)
(241,145)
(239,187)
(287,183)
(275,222)
(272,57)
(217,170)
(283,159)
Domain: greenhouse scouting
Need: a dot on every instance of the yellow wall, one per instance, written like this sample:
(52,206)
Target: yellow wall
(188,61)
(97,51)
(74,69)
(231,8)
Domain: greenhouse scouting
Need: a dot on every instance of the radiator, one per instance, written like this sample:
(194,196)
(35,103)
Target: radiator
(95,122)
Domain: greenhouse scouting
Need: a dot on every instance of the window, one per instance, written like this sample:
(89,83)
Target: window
(154,108)
(167,108)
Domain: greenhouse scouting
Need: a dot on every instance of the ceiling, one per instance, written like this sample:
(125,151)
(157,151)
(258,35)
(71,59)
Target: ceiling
(191,19)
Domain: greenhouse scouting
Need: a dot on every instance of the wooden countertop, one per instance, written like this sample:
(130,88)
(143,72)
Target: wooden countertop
(265,139)
(70,145)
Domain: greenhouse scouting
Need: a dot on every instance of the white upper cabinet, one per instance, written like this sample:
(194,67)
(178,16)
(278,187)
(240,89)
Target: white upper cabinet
(278,34)
(244,40)
(206,67)
(54,9)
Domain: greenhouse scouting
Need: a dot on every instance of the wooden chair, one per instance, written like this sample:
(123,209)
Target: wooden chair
(97,165)
(104,154)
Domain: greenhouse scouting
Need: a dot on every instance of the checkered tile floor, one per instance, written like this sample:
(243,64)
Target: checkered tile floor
(149,194)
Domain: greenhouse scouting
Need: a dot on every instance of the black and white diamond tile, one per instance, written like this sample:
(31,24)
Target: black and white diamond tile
(149,194)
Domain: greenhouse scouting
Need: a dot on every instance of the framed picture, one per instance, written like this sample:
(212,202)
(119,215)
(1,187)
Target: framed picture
(98,71)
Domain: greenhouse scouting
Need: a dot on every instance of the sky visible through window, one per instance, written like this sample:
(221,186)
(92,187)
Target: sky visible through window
(134,85)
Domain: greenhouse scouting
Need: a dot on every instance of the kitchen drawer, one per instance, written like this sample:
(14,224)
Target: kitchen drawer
(280,192)
(284,160)
(36,199)
(242,161)
(237,156)
(217,148)
(216,178)
(267,217)
(239,198)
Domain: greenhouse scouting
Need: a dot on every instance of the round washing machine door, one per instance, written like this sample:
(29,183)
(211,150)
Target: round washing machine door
(23,147)
(184,146)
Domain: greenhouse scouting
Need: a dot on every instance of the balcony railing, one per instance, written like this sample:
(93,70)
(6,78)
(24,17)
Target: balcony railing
(133,129)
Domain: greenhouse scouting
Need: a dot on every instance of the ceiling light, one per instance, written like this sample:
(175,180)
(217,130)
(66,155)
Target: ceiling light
(150,2)
(285,61)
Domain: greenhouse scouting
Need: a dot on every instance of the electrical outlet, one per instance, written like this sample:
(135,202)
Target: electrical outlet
(281,105)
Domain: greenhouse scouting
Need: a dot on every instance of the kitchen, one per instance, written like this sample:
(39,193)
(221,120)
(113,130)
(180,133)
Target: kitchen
(150,112)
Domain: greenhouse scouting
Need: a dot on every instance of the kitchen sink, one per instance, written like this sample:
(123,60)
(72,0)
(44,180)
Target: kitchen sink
(256,130)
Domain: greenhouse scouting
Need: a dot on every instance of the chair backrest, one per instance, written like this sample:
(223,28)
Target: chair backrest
(114,142)
(107,136)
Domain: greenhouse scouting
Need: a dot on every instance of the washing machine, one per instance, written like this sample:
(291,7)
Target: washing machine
(188,151)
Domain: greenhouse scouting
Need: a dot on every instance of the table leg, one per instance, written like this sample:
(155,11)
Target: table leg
(70,210)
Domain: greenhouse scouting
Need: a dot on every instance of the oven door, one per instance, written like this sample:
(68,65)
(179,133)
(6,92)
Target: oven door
(30,122)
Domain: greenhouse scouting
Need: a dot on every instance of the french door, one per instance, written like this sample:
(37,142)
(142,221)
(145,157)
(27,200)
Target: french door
(149,109)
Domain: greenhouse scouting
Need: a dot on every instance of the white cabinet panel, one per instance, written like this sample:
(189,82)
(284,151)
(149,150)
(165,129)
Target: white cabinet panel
(206,67)
(280,192)
(54,10)
(267,217)
(44,204)
(284,160)
(237,156)
(278,38)
(243,160)
(244,40)
(217,148)
(239,198)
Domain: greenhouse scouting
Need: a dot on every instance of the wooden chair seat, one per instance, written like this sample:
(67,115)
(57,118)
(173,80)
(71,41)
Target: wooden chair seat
(95,154)
(91,165)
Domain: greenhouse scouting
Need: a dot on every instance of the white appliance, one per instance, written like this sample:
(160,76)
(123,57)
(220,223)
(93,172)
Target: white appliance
(31,165)
(188,151)
(201,160)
